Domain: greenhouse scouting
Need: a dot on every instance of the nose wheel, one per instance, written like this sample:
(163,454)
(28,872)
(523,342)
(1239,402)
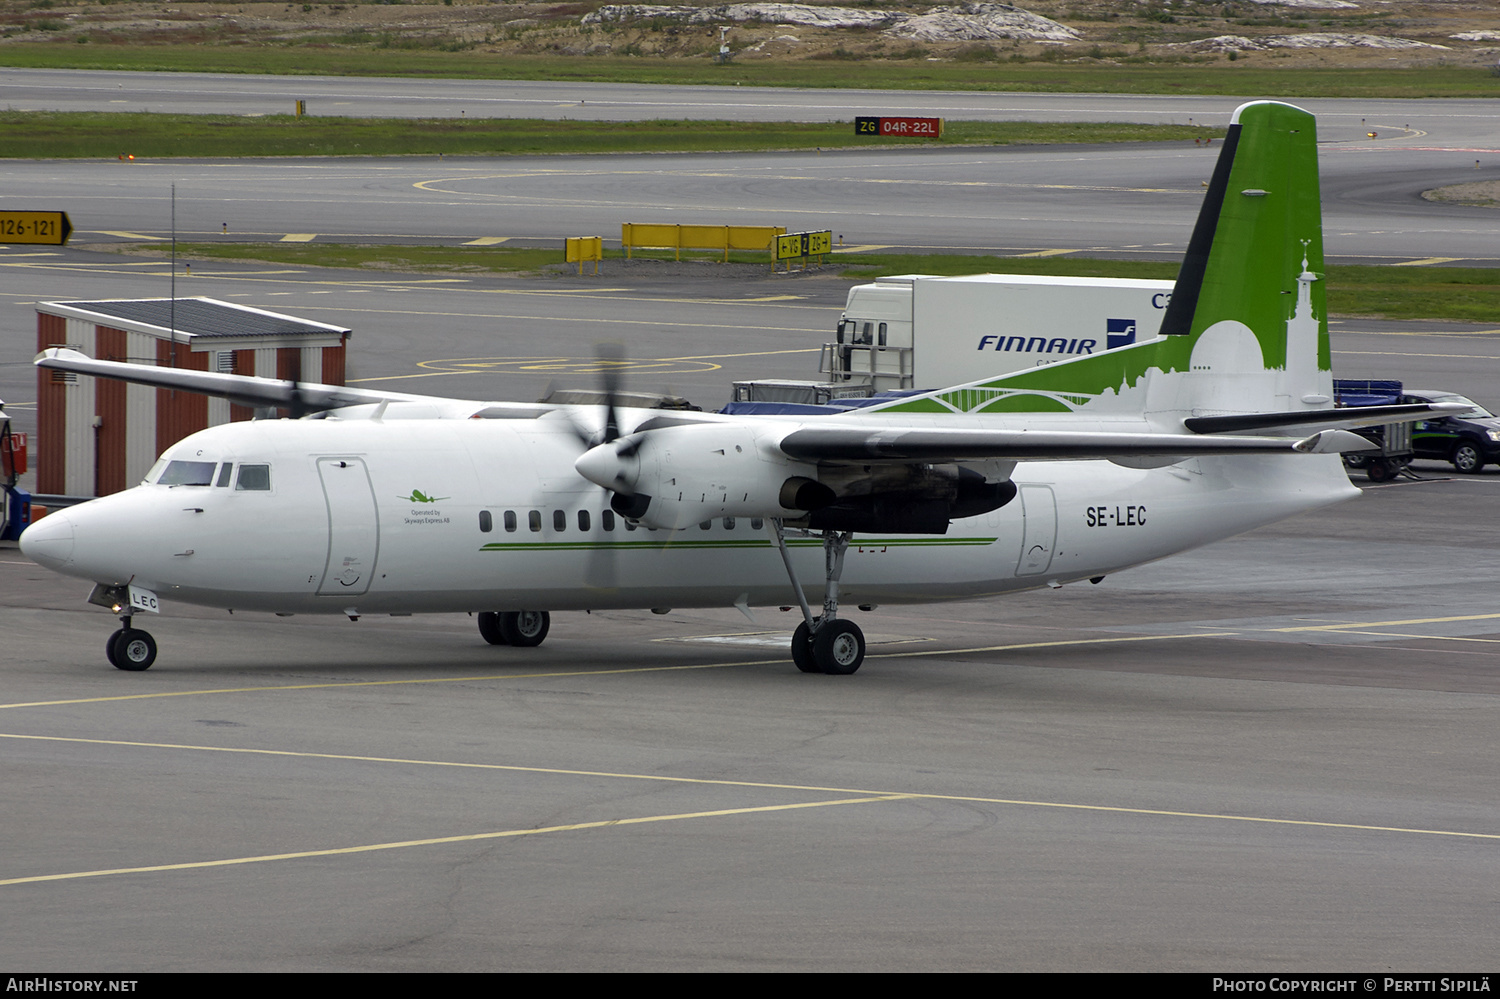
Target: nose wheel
(130,648)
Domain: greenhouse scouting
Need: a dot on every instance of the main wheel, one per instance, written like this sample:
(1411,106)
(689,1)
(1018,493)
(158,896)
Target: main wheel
(525,629)
(489,627)
(802,650)
(839,647)
(135,650)
(1467,459)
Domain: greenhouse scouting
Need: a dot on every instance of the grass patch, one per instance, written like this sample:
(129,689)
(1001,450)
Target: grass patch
(1244,77)
(409,259)
(1469,294)
(60,135)
(873,265)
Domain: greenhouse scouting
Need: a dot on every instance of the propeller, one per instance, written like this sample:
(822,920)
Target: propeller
(601,449)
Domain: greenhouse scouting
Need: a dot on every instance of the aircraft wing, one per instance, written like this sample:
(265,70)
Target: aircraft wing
(1345,418)
(860,444)
(247,390)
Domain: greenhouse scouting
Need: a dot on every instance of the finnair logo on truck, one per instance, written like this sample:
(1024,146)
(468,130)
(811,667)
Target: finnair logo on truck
(1038,344)
(1119,332)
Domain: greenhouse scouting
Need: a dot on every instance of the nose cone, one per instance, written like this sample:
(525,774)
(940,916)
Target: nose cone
(603,466)
(49,541)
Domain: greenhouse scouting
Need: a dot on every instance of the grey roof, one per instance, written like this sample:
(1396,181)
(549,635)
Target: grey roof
(204,317)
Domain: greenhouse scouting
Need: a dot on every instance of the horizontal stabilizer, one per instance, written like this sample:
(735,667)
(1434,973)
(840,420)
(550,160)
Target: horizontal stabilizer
(247,390)
(1357,416)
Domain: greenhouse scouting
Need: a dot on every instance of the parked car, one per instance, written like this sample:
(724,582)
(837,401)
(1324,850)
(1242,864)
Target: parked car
(1470,441)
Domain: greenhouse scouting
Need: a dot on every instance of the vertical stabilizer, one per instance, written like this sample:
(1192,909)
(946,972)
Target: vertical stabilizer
(1254,266)
(1246,330)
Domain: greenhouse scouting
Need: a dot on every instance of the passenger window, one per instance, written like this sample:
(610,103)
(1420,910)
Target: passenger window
(534,520)
(254,478)
(486,522)
(559,520)
(705,525)
(226,471)
(607,518)
(510,520)
(188,473)
(728,523)
(756,524)
(583,520)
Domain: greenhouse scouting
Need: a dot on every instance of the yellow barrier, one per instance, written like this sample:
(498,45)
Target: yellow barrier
(699,237)
(581,248)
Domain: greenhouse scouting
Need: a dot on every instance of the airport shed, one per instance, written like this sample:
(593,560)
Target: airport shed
(97,436)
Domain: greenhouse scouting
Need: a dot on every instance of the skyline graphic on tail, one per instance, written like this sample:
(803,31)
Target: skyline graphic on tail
(1246,330)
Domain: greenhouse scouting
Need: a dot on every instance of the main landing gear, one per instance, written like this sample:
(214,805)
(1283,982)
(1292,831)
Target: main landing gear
(524,629)
(825,644)
(130,648)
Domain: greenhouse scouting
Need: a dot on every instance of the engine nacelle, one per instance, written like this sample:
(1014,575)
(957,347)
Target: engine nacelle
(690,474)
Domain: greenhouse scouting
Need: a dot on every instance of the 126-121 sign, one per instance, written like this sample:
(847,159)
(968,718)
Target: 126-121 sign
(910,128)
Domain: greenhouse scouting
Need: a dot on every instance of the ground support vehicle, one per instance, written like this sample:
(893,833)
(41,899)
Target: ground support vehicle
(1390,444)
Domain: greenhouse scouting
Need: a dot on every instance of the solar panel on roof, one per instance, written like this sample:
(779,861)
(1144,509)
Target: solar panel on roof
(203,317)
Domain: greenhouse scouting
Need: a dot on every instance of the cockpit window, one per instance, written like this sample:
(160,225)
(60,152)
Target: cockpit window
(226,470)
(254,477)
(188,473)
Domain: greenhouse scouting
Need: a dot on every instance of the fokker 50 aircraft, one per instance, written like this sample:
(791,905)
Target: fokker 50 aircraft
(382,503)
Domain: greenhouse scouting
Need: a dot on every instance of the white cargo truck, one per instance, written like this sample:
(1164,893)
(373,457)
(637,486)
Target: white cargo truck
(917,331)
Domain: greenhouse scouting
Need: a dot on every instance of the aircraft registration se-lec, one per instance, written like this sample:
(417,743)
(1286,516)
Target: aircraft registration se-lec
(386,503)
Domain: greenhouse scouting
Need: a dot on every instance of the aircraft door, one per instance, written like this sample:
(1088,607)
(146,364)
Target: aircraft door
(1039,508)
(353,526)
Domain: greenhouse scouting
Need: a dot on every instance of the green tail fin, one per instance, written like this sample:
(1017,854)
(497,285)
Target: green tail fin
(1251,281)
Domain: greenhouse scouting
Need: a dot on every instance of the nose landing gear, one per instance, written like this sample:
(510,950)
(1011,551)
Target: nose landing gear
(130,648)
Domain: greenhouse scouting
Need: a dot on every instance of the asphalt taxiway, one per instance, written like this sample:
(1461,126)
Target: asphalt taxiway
(1275,753)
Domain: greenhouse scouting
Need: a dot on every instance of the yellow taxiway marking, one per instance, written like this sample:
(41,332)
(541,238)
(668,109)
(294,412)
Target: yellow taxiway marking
(1428,260)
(1397,353)
(389,683)
(1427,638)
(1048,253)
(1418,333)
(440,840)
(487,241)
(479,366)
(863,795)
(299,237)
(1217,633)
(1391,624)
(131,235)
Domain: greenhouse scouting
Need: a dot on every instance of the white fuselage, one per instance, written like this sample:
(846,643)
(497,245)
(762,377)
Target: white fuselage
(368,516)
